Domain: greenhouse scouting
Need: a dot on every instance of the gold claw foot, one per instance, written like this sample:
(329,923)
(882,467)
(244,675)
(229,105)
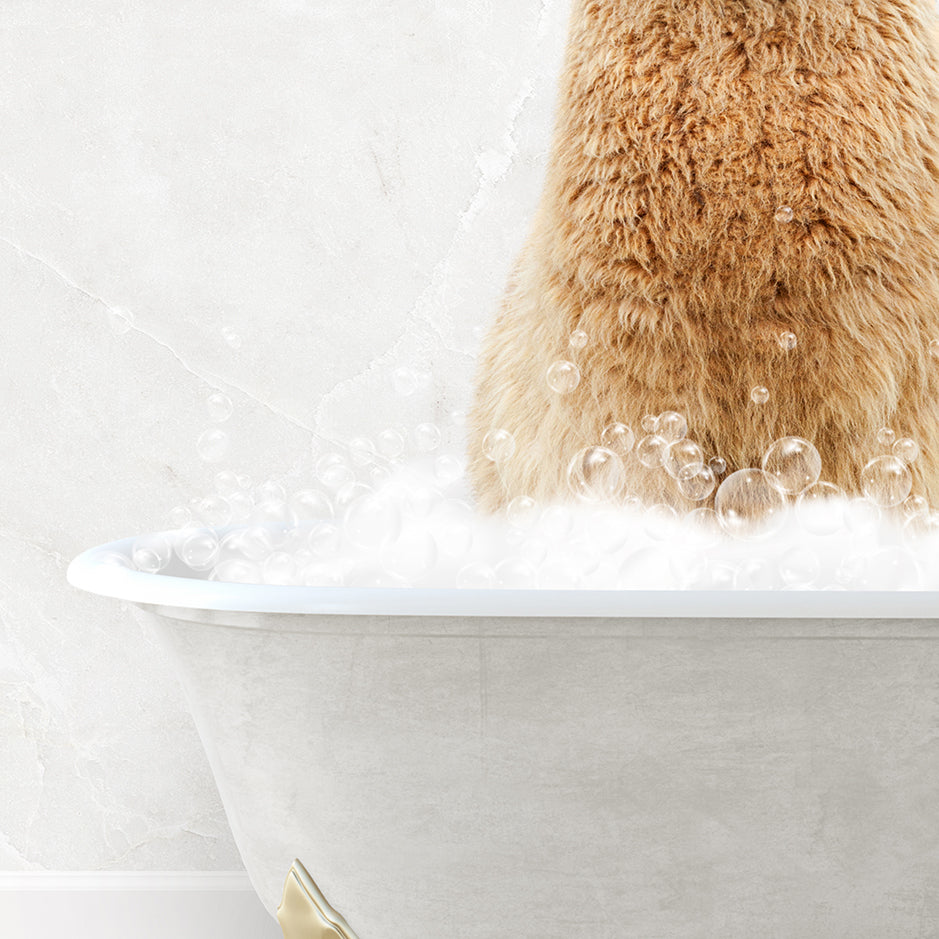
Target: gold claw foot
(304,913)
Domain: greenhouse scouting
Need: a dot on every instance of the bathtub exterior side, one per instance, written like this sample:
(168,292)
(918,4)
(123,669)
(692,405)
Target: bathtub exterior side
(467,778)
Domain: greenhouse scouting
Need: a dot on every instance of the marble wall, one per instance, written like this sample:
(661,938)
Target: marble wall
(286,200)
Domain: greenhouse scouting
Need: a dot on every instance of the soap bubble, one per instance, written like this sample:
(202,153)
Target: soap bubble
(318,574)
(522,512)
(219,407)
(213,445)
(151,553)
(276,517)
(650,451)
(404,381)
(311,505)
(792,464)
(886,437)
(649,422)
(476,576)
(696,481)
(516,574)
(671,425)
(372,521)
(759,394)
(226,483)
(680,454)
(236,571)
(619,438)
(596,474)
(578,339)
(799,567)
(820,509)
(271,491)
(427,437)
(199,549)
(279,568)
(718,465)
(413,555)
(120,320)
(916,507)
(557,521)
(448,469)
(324,539)
(349,494)
(498,445)
(391,443)
(333,471)
(214,511)
(748,504)
(180,516)
(886,481)
(906,449)
(784,214)
(563,377)
(861,516)
(934,348)
(362,451)
(231,337)
(788,341)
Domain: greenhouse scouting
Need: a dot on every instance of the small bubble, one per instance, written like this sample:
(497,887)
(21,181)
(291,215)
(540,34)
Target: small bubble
(120,320)
(199,549)
(787,341)
(718,465)
(748,504)
(151,553)
(820,508)
(650,451)
(934,348)
(219,407)
(180,516)
(680,454)
(696,481)
(792,465)
(578,339)
(391,443)
(671,425)
(784,214)
(231,337)
(906,449)
(214,511)
(498,446)
(649,422)
(427,437)
(596,474)
(311,505)
(886,481)
(226,483)
(362,451)
(886,437)
(213,445)
(619,438)
(404,381)
(333,471)
(759,394)
(522,512)
(799,567)
(563,377)
(916,507)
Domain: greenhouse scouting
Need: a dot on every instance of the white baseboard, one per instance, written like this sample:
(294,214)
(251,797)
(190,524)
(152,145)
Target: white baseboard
(132,905)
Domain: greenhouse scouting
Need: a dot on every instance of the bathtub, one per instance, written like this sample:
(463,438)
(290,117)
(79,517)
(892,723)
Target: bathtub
(545,764)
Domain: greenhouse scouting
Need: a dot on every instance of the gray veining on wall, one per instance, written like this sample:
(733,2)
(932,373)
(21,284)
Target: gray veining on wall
(344,187)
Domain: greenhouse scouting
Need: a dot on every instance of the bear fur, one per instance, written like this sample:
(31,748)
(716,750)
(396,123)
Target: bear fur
(683,127)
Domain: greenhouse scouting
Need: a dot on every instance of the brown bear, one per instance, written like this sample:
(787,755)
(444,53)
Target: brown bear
(741,195)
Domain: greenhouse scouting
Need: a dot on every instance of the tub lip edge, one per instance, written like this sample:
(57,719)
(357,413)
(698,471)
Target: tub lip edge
(87,572)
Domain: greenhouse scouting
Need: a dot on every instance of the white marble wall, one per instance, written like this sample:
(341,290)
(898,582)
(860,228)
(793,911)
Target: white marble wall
(344,186)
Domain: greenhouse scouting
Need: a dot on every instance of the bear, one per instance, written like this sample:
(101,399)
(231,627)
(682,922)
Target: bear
(739,223)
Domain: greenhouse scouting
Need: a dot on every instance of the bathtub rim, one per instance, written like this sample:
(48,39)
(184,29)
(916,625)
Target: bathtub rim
(90,572)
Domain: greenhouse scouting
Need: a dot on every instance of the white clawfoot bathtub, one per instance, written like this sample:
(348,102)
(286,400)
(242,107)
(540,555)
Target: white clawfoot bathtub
(541,765)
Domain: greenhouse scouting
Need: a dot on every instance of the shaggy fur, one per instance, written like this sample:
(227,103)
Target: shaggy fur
(684,125)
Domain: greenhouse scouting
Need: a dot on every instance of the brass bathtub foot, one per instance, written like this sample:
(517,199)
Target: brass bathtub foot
(304,913)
